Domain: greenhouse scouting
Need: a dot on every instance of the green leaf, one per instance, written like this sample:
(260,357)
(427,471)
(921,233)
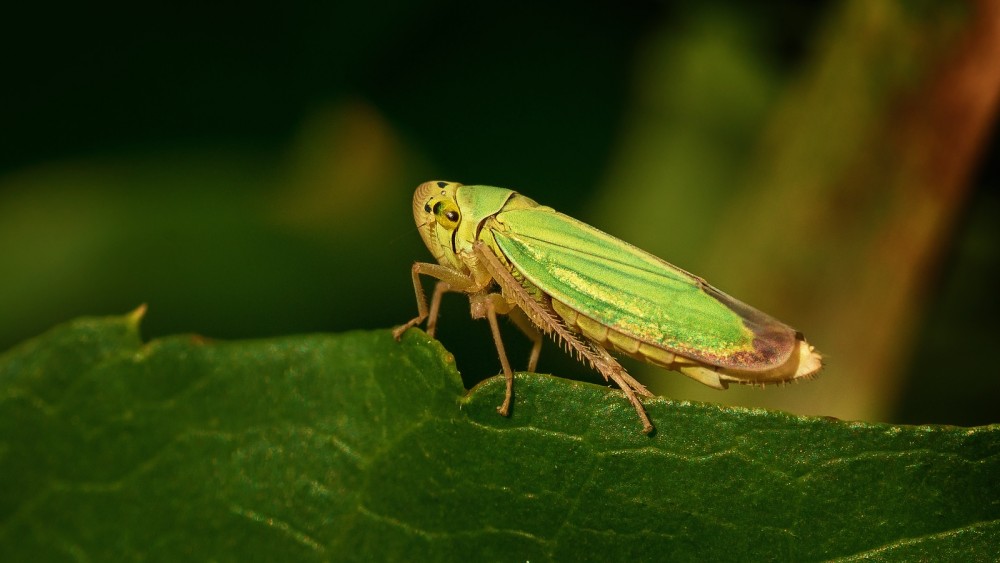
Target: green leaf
(357,447)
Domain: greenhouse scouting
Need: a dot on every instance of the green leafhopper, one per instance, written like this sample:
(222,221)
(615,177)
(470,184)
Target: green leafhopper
(591,292)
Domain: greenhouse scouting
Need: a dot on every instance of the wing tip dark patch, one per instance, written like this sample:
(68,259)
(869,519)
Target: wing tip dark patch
(773,340)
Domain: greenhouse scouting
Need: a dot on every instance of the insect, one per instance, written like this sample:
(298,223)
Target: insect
(591,292)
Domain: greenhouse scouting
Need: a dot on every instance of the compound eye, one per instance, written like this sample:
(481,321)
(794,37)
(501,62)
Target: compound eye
(447,214)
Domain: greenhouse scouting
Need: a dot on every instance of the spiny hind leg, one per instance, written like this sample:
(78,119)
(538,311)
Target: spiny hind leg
(611,369)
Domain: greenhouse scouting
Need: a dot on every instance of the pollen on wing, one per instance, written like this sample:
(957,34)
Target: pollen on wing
(601,293)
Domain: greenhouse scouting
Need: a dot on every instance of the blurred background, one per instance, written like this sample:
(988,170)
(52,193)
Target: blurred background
(246,170)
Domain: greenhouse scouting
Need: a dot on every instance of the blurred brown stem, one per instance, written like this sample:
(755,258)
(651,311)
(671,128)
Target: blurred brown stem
(862,174)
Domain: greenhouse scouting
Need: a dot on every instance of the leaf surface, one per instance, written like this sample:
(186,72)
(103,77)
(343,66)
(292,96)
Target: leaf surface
(355,447)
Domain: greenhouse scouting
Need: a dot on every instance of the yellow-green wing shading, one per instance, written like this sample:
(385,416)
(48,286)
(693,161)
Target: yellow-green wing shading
(637,293)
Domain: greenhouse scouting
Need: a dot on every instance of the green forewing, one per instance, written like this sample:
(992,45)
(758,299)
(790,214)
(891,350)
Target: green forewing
(638,294)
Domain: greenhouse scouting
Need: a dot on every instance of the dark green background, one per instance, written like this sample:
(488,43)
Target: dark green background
(142,145)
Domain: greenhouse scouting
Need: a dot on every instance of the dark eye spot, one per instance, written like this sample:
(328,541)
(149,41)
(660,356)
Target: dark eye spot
(452,216)
(442,184)
(437,208)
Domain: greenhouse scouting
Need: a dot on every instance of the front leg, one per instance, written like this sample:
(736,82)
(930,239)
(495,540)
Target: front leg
(440,288)
(450,279)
